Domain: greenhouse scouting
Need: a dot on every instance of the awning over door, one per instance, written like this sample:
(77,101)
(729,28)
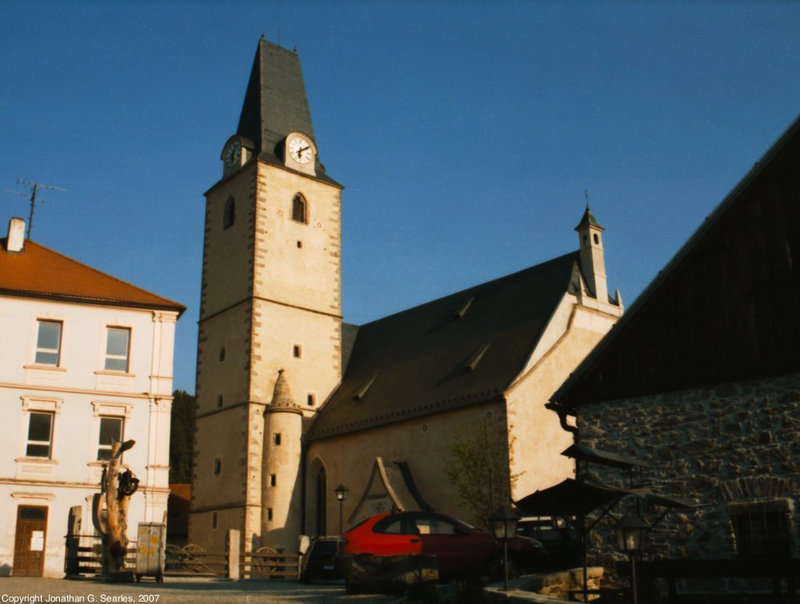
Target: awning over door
(390,488)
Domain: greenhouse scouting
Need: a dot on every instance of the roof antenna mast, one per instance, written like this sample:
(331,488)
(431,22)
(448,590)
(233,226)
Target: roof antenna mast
(35,188)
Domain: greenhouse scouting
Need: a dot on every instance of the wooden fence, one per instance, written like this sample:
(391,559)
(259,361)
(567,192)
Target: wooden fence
(84,557)
(267,563)
(193,561)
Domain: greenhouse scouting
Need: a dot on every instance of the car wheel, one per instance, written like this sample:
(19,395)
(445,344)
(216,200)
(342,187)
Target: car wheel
(496,568)
(351,587)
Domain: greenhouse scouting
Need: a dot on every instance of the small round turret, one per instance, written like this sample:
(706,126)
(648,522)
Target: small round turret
(280,467)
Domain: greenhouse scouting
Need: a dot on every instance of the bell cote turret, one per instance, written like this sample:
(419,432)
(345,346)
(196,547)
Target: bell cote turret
(592,258)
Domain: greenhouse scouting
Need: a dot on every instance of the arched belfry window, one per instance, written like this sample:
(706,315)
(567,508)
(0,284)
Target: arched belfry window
(229,214)
(299,209)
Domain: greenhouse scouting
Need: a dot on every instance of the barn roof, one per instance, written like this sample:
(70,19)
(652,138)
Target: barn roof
(723,309)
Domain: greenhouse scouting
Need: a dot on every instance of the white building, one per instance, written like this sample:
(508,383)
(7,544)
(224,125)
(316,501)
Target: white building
(84,358)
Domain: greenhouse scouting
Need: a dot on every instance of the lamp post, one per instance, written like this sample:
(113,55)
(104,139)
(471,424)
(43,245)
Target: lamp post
(504,526)
(630,533)
(341,495)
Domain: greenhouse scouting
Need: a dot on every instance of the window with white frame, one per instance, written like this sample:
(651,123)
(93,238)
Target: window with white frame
(111,429)
(48,343)
(118,345)
(40,434)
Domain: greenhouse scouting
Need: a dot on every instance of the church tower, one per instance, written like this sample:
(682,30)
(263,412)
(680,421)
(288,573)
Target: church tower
(270,301)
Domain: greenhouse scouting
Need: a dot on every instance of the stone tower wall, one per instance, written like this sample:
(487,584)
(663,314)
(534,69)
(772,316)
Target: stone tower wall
(271,299)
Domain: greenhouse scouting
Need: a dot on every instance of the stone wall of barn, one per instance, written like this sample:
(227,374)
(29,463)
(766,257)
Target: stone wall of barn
(730,447)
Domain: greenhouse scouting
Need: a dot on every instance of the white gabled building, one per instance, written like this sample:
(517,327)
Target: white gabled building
(84,358)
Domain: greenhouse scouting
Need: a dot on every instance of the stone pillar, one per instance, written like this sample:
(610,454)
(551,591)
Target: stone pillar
(233,551)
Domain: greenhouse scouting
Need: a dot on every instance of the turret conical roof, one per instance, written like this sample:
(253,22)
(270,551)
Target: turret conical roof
(588,219)
(282,399)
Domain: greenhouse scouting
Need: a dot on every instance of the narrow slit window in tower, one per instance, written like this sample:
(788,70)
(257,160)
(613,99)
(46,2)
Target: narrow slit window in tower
(229,214)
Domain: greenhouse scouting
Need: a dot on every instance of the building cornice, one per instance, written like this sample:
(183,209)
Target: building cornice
(253,162)
(84,300)
(249,299)
(223,506)
(87,391)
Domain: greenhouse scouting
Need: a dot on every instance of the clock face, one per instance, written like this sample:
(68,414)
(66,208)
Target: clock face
(300,150)
(233,154)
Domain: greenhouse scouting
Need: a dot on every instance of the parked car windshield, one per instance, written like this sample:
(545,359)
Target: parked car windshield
(420,524)
(325,547)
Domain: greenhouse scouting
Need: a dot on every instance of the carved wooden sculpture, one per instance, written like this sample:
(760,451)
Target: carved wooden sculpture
(115,491)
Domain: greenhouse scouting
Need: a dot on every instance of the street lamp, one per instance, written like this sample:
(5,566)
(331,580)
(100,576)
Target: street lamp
(504,526)
(341,495)
(630,533)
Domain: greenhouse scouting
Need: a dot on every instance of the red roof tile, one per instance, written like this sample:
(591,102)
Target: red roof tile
(40,272)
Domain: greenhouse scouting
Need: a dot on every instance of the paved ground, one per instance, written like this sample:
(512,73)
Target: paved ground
(21,590)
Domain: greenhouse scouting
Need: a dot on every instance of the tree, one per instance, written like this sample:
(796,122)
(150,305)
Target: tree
(110,509)
(479,467)
(181,438)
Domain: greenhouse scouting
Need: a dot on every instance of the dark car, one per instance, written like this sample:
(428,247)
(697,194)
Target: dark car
(557,535)
(460,549)
(321,561)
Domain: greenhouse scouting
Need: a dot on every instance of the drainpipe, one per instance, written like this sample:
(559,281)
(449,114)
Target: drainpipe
(563,412)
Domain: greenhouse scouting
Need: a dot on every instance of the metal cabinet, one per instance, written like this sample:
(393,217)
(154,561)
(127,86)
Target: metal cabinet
(150,545)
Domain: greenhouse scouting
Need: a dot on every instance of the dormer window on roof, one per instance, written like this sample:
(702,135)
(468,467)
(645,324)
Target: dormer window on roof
(362,391)
(472,364)
(463,310)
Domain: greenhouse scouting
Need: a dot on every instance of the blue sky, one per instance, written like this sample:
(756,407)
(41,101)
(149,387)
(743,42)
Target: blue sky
(465,133)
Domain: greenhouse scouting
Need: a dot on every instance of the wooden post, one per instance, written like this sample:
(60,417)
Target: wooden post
(232,548)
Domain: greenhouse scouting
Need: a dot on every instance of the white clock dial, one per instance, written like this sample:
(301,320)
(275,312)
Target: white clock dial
(300,150)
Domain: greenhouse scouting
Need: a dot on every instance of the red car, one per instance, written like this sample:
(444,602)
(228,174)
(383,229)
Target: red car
(460,549)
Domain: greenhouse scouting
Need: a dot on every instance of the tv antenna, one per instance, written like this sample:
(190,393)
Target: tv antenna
(35,188)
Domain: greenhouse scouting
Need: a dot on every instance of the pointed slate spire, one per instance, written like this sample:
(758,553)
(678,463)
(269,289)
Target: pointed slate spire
(282,399)
(588,219)
(275,103)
